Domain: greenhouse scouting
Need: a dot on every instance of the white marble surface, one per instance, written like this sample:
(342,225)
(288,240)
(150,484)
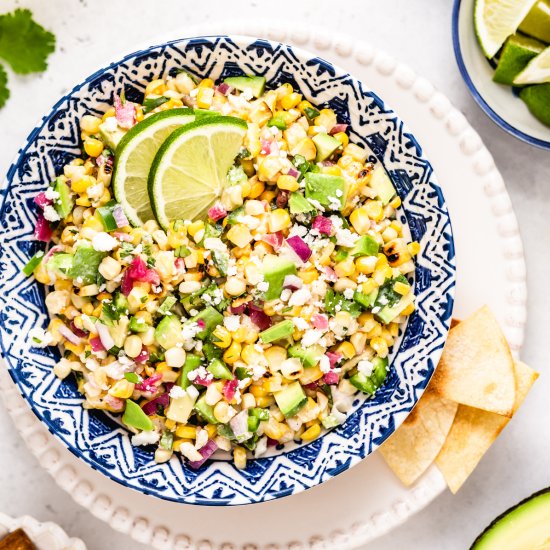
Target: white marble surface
(418,33)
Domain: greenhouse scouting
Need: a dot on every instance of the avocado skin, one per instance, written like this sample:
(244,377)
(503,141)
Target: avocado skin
(484,542)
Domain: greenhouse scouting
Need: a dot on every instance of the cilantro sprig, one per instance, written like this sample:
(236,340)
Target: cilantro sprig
(24,45)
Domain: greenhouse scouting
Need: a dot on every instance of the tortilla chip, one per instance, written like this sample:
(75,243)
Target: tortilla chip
(454,322)
(413,447)
(476,368)
(474,431)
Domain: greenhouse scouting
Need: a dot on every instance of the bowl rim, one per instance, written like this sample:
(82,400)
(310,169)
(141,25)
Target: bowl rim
(351,460)
(479,99)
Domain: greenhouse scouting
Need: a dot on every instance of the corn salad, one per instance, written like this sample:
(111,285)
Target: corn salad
(252,328)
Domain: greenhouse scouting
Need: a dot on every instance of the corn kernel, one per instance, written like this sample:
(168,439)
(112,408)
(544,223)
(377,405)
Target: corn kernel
(195,227)
(122,389)
(186,432)
(311,433)
(279,219)
(264,402)
(346,349)
(155,87)
(374,210)
(291,100)
(380,346)
(368,286)
(82,184)
(356,152)
(93,147)
(408,310)
(212,430)
(414,248)
(287,183)
(169,424)
(239,456)
(204,98)
(360,220)
(308,275)
(240,235)
(306,148)
(206,83)
(396,202)
(256,189)
(222,337)
(232,353)
(342,137)
(345,268)
(401,288)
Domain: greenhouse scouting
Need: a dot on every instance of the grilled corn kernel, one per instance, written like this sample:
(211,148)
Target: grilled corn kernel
(408,310)
(222,337)
(195,227)
(345,268)
(380,346)
(368,286)
(374,210)
(206,83)
(414,248)
(346,349)
(223,412)
(211,430)
(308,275)
(256,189)
(279,219)
(395,202)
(291,100)
(401,288)
(264,402)
(239,335)
(122,389)
(311,433)
(155,87)
(343,138)
(366,264)
(287,183)
(360,220)
(90,124)
(239,235)
(83,183)
(258,391)
(306,148)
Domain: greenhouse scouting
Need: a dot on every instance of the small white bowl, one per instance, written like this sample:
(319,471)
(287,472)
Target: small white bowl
(45,536)
(498,101)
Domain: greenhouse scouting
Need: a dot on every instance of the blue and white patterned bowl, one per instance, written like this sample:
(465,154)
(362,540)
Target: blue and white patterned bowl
(98,438)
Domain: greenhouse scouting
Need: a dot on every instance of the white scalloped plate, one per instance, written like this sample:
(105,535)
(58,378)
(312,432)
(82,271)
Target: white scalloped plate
(45,536)
(366,501)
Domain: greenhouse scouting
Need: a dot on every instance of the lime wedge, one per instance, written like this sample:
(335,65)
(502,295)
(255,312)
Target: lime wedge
(134,156)
(537,22)
(537,99)
(189,172)
(496,20)
(537,70)
(516,53)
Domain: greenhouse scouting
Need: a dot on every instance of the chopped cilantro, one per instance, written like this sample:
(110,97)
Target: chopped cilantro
(4,92)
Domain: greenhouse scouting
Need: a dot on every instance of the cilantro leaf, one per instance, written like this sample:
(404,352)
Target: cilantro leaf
(4,92)
(24,44)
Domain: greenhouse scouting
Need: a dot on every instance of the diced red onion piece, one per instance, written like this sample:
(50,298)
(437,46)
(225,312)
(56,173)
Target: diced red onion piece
(272,442)
(96,344)
(77,331)
(333,358)
(266,146)
(293,172)
(229,389)
(206,381)
(293,282)
(224,88)
(239,424)
(330,274)
(121,236)
(120,217)
(42,230)
(331,378)
(125,113)
(338,128)
(41,200)
(217,212)
(274,239)
(320,322)
(312,385)
(143,356)
(115,403)
(207,451)
(69,335)
(104,335)
(322,224)
(300,247)
(151,407)
(149,384)
(239,310)
(258,316)
(127,284)
(328,163)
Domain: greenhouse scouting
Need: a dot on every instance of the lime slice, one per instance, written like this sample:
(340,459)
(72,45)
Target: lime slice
(496,20)
(537,99)
(516,54)
(537,70)
(537,22)
(189,172)
(134,156)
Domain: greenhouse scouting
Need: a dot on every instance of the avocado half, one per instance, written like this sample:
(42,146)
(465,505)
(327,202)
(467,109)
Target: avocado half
(525,526)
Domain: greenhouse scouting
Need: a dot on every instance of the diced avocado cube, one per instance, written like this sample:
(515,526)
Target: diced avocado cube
(180,408)
(326,145)
(206,410)
(380,182)
(135,417)
(365,246)
(211,317)
(167,305)
(105,215)
(291,399)
(110,133)
(85,264)
(256,84)
(219,370)
(387,314)
(309,357)
(138,324)
(64,203)
(281,330)
(168,332)
(192,362)
(328,190)
(298,204)
(365,300)
(60,264)
(275,269)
